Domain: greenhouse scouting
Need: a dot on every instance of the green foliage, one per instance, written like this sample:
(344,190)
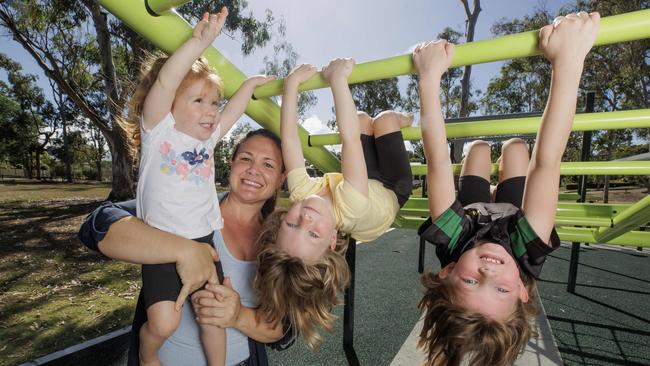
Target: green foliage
(224,149)
(254,32)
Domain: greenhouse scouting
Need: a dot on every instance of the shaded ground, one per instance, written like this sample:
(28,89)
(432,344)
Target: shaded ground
(606,321)
(53,292)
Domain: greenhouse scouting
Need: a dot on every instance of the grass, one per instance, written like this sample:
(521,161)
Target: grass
(54,292)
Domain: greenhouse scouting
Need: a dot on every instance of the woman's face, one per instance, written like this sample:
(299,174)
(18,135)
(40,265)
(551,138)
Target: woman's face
(256,172)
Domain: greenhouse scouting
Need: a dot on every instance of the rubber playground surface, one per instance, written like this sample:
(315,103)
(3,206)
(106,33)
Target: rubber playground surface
(606,322)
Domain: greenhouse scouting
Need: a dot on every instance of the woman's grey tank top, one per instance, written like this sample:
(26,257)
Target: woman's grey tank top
(184,346)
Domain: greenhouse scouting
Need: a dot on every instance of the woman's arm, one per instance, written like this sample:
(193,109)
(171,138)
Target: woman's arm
(115,232)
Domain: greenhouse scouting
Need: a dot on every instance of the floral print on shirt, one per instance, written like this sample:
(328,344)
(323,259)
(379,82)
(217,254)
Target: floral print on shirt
(194,166)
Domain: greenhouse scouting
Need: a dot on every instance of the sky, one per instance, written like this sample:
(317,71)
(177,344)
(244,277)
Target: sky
(365,30)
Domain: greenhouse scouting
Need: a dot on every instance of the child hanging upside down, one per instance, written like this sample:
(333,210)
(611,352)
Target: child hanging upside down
(300,271)
(479,309)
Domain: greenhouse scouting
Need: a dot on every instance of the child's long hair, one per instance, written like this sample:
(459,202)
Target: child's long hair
(148,74)
(452,334)
(288,288)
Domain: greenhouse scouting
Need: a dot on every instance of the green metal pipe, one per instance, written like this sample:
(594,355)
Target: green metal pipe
(635,216)
(638,118)
(582,221)
(586,235)
(614,29)
(169,31)
(566,233)
(574,168)
(159,7)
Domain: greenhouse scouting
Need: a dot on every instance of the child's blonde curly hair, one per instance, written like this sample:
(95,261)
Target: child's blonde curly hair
(148,74)
(452,335)
(302,293)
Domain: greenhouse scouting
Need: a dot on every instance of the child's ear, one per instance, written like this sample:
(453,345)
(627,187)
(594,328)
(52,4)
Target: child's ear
(333,240)
(523,292)
(445,271)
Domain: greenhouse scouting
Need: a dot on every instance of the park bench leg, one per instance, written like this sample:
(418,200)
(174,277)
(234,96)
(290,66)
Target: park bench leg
(348,309)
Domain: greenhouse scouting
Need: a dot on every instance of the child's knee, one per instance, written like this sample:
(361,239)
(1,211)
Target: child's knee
(478,149)
(162,319)
(392,120)
(365,123)
(514,146)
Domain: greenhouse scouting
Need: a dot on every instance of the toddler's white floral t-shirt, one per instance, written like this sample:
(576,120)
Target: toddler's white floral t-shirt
(176,191)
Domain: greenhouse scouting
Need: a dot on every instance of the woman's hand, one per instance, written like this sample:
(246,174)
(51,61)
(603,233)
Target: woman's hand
(217,305)
(195,266)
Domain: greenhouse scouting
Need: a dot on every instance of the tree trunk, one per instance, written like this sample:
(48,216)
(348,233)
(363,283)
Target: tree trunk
(66,153)
(122,166)
(98,166)
(38,164)
(472,18)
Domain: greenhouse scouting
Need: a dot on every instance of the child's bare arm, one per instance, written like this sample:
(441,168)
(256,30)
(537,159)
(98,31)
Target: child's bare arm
(565,44)
(431,60)
(158,102)
(239,101)
(353,165)
(291,147)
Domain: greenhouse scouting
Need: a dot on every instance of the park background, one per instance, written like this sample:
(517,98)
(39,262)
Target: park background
(60,153)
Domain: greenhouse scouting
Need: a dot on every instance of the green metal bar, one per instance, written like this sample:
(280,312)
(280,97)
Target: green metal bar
(639,118)
(570,234)
(635,216)
(159,7)
(614,29)
(169,31)
(574,168)
(576,209)
(586,235)
(583,221)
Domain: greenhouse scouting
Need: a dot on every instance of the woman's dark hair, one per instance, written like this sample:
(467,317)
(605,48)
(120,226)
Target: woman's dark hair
(269,205)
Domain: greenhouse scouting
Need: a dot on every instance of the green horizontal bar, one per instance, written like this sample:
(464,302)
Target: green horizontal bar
(582,221)
(569,234)
(606,210)
(635,216)
(576,209)
(169,31)
(586,235)
(160,7)
(638,118)
(574,168)
(614,29)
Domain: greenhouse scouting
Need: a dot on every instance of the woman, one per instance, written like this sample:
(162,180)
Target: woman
(256,174)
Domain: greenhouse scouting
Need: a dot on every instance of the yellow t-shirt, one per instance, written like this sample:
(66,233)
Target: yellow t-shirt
(364,218)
